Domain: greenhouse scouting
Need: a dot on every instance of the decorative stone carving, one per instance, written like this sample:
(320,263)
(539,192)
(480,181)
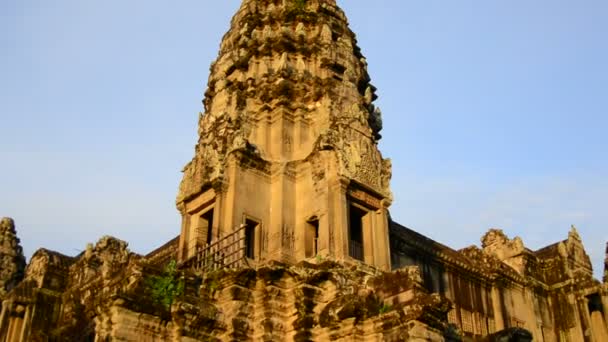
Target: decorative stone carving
(12,261)
(273,74)
(510,251)
(495,242)
(288,109)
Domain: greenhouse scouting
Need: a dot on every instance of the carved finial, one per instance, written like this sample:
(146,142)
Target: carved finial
(283,62)
(12,260)
(326,34)
(492,237)
(7,224)
(573,234)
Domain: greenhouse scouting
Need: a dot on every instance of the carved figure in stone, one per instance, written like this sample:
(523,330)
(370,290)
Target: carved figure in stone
(493,237)
(386,174)
(496,243)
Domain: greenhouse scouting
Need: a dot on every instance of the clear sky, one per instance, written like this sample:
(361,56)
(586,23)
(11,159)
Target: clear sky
(495,115)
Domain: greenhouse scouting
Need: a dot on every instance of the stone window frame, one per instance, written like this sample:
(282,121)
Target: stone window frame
(367,227)
(257,238)
(194,227)
(313,222)
(362,199)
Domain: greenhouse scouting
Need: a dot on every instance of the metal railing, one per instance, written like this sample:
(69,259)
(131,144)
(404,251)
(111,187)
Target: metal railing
(355,250)
(227,252)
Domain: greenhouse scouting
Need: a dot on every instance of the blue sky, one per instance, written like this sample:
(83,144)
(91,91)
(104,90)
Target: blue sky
(495,115)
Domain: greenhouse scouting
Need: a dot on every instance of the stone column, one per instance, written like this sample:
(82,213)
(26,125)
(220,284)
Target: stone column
(381,238)
(605,305)
(497,308)
(4,319)
(219,187)
(577,332)
(585,316)
(338,221)
(600,331)
(25,330)
(276,221)
(182,250)
(231,215)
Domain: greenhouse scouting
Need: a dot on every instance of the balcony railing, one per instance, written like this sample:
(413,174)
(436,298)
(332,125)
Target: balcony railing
(228,252)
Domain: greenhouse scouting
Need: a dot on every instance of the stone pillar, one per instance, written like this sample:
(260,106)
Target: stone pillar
(577,332)
(25,330)
(276,223)
(338,221)
(598,325)
(231,212)
(585,316)
(219,187)
(323,246)
(182,250)
(497,308)
(382,255)
(4,316)
(605,305)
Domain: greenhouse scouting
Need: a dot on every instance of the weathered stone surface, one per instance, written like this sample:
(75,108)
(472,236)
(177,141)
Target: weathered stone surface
(550,292)
(290,117)
(296,62)
(107,294)
(12,261)
(285,230)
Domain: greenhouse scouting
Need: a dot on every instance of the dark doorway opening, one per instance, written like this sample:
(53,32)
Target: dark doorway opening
(208,220)
(595,303)
(312,237)
(355,232)
(250,227)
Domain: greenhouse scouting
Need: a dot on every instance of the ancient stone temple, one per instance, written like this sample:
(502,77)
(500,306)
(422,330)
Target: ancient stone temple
(285,231)
(288,141)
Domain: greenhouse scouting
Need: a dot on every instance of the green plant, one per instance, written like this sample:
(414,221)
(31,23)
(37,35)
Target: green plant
(385,308)
(166,288)
(300,4)
(213,285)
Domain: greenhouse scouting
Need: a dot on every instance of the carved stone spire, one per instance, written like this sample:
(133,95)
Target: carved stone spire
(289,80)
(12,261)
(288,113)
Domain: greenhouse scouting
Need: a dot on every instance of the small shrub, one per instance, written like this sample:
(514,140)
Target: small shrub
(166,288)
(385,308)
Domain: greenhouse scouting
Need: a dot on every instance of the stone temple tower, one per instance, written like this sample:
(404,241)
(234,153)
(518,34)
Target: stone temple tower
(287,147)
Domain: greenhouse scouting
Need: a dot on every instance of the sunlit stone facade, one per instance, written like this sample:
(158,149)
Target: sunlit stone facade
(285,231)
